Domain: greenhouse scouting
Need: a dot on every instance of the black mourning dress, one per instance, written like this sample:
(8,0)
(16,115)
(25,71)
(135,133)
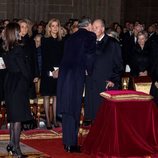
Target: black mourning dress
(139,60)
(52,51)
(16,86)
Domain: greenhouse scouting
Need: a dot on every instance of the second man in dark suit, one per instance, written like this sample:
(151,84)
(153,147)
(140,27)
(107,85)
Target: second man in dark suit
(77,61)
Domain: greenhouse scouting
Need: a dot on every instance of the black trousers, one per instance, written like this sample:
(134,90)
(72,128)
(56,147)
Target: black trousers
(70,128)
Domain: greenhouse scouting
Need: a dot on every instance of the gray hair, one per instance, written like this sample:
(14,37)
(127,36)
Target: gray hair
(112,33)
(84,22)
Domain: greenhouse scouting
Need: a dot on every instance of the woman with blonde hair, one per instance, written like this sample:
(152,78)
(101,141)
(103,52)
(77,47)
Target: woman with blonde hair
(27,24)
(49,31)
(30,53)
(52,51)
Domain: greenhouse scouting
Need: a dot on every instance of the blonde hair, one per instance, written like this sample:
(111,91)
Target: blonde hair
(29,25)
(48,28)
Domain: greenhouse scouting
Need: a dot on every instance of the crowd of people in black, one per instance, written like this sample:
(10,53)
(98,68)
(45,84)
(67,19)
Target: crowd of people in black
(67,60)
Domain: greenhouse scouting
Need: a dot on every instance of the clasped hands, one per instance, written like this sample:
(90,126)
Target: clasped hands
(145,73)
(55,73)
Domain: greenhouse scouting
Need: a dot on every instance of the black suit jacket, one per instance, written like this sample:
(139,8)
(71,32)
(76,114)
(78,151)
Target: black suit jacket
(108,66)
(78,57)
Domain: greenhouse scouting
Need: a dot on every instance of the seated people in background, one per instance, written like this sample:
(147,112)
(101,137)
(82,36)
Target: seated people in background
(37,40)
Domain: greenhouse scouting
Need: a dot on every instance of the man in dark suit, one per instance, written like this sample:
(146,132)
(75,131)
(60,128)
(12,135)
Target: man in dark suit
(107,70)
(154,77)
(129,43)
(125,44)
(77,61)
(153,45)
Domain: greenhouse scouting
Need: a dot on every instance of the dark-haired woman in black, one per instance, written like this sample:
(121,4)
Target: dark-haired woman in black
(16,87)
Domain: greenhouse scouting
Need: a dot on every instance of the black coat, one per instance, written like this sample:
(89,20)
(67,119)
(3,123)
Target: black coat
(30,55)
(127,43)
(52,52)
(154,76)
(16,85)
(139,60)
(2,75)
(78,57)
(108,67)
(154,73)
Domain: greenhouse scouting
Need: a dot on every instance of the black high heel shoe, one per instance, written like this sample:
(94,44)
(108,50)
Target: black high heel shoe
(17,152)
(9,149)
(49,127)
(72,148)
(56,125)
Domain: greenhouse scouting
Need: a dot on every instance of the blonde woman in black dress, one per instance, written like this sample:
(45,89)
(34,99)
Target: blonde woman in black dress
(52,50)
(16,87)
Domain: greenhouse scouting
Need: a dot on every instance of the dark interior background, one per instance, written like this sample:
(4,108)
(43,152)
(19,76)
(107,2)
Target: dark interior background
(145,11)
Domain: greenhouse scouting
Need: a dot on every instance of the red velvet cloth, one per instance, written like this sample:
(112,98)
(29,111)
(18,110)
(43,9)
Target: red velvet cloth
(125,92)
(124,129)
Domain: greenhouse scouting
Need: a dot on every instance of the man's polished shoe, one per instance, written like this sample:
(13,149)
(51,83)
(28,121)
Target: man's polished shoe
(72,148)
(87,122)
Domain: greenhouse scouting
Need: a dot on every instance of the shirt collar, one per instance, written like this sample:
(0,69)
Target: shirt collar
(101,37)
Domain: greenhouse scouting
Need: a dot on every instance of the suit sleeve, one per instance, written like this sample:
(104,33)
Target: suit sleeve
(117,64)
(90,45)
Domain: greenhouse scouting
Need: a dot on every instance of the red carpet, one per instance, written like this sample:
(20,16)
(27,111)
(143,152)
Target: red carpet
(48,142)
(54,148)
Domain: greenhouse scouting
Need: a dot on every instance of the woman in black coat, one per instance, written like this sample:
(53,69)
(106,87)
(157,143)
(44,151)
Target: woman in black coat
(30,53)
(140,61)
(52,51)
(16,87)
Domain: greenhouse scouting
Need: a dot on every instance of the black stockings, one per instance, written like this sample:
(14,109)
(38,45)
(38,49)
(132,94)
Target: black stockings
(15,131)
